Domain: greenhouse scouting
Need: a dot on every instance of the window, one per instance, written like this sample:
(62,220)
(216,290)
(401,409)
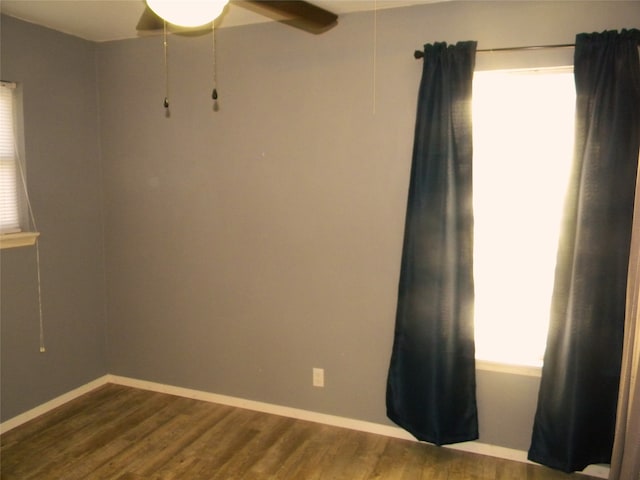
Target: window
(12,185)
(523,145)
(9,218)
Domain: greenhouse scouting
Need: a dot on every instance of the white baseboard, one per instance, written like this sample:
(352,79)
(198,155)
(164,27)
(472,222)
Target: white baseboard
(600,471)
(51,404)
(350,423)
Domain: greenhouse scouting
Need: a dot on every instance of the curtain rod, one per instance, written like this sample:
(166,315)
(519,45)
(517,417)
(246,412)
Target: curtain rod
(420,54)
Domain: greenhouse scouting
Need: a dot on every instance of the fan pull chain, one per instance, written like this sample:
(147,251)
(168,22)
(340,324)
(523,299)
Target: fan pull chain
(214,92)
(375,53)
(43,348)
(32,217)
(166,67)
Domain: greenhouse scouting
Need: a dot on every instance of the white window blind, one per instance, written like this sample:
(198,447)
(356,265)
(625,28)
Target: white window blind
(9,217)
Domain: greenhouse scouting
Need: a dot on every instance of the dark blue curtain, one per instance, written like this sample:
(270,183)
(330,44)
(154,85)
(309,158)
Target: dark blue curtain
(431,383)
(575,419)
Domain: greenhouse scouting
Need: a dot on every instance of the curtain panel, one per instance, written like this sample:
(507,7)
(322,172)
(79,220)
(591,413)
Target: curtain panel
(625,459)
(431,390)
(575,418)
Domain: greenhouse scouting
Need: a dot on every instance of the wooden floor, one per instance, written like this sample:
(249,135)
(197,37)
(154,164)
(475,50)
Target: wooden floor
(122,433)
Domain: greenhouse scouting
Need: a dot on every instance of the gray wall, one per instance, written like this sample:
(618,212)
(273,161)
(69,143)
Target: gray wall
(248,245)
(58,79)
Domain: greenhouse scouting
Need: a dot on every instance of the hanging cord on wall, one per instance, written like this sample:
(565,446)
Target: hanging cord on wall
(214,92)
(166,68)
(40,316)
(32,218)
(375,50)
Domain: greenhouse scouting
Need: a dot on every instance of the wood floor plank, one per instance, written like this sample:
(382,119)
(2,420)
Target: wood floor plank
(62,415)
(306,459)
(511,471)
(82,453)
(283,448)
(393,461)
(122,433)
(425,462)
(327,454)
(46,447)
(213,449)
(337,463)
(264,432)
(92,400)
(148,452)
(370,447)
(148,440)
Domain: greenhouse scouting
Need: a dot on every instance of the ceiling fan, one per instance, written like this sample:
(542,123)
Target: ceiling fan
(198,16)
(296,13)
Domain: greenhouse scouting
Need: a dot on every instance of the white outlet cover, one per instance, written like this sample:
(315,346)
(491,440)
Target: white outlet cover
(318,377)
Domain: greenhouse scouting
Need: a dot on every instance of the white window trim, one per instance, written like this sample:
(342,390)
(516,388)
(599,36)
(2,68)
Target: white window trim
(19,239)
(524,370)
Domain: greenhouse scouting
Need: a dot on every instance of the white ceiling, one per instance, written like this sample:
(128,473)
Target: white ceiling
(104,20)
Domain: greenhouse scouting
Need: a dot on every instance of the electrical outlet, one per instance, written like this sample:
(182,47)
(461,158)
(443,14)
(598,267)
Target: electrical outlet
(318,377)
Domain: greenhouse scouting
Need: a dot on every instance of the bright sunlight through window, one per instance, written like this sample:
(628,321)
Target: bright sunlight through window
(523,127)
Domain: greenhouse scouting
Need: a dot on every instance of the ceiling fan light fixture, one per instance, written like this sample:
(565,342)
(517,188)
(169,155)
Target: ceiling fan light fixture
(187,13)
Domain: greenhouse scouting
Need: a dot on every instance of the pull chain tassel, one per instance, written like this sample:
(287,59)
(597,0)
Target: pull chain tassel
(214,92)
(165,103)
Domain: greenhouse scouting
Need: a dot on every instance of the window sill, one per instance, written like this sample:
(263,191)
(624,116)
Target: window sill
(21,239)
(525,370)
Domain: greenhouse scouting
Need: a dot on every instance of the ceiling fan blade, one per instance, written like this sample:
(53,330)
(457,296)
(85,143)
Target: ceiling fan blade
(297,13)
(149,20)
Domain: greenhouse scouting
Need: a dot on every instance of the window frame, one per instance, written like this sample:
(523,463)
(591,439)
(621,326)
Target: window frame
(21,235)
(495,365)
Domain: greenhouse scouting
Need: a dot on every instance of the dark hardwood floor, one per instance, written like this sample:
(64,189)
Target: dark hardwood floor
(122,433)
